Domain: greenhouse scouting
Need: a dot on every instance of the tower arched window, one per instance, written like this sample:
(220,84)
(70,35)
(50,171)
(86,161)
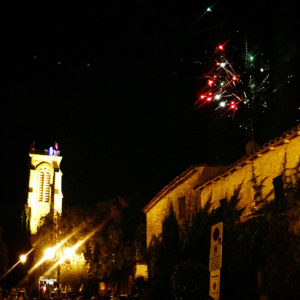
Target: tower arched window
(41,185)
(47,187)
(44,181)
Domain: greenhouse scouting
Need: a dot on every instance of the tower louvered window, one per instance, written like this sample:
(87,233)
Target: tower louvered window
(47,187)
(44,185)
(41,185)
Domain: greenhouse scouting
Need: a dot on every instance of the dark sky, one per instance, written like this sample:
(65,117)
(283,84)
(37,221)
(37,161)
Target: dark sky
(114,82)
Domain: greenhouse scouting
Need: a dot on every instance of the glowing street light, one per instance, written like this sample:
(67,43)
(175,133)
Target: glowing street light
(49,253)
(68,253)
(23,258)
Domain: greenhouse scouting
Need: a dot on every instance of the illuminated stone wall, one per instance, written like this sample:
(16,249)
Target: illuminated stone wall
(182,186)
(43,190)
(278,157)
(264,166)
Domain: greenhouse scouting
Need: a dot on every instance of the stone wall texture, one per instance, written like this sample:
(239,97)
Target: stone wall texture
(198,184)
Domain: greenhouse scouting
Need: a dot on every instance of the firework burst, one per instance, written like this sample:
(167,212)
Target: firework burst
(229,87)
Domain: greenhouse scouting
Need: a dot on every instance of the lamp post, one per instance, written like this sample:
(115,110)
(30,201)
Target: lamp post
(54,255)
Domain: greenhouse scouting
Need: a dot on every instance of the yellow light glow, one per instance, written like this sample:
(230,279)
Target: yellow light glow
(8,271)
(68,253)
(58,246)
(102,286)
(81,242)
(141,270)
(23,258)
(49,253)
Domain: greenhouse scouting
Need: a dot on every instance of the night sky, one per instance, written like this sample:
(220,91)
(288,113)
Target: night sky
(114,82)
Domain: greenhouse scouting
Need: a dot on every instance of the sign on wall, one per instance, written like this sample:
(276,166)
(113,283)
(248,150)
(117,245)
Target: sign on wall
(214,284)
(216,241)
(215,260)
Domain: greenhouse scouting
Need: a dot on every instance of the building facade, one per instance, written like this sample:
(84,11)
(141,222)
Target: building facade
(45,186)
(257,175)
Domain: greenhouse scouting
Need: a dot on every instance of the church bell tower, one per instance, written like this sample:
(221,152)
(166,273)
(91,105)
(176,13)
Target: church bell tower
(45,188)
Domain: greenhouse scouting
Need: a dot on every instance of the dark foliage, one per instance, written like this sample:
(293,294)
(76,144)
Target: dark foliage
(115,249)
(189,281)
(261,256)
(163,257)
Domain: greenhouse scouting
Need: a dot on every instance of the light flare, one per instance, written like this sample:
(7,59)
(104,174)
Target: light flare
(78,244)
(55,248)
(21,260)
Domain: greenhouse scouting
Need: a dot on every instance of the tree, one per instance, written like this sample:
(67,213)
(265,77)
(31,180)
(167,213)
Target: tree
(51,233)
(189,281)
(163,255)
(112,252)
(278,242)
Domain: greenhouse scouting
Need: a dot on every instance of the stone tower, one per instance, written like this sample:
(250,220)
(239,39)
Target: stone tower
(44,190)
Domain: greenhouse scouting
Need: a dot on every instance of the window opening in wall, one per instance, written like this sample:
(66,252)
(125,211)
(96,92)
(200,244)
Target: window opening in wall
(41,186)
(181,207)
(44,180)
(278,187)
(47,187)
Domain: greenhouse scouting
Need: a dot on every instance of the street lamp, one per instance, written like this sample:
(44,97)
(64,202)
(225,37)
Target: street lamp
(58,255)
(49,254)
(68,253)
(53,254)
(23,258)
